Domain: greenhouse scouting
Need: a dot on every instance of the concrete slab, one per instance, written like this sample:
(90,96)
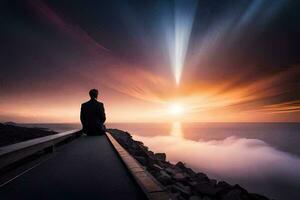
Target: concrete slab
(87,168)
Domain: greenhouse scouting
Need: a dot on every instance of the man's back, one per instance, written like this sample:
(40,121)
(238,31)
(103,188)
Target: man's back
(92,117)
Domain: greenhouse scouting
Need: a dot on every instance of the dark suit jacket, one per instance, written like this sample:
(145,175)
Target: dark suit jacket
(92,116)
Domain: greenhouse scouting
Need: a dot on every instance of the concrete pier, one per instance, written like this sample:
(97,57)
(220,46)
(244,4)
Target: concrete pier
(86,168)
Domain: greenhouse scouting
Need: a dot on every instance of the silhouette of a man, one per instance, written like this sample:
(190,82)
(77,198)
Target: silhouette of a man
(92,115)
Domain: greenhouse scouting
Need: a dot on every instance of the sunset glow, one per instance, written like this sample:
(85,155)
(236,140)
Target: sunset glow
(220,74)
(176,109)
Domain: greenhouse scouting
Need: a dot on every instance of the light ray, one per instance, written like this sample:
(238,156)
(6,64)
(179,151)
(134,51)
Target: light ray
(184,18)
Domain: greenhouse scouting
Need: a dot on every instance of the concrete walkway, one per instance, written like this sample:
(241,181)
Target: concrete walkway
(86,168)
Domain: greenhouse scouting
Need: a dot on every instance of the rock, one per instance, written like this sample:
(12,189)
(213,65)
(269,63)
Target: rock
(223,184)
(180,165)
(139,143)
(165,179)
(144,149)
(204,188)
(238,187)
(160,156)
(223,187)
(201,177)
(190,172)
(185,190)
(192,183)
(150,154)
(175,195)
(213,182)
(141,160)
(179,176)
(150,162)
(160,163)
(257,197)
(163,172)
(195,198)
(233,195)
(156,167)
(166,164)
(170,170)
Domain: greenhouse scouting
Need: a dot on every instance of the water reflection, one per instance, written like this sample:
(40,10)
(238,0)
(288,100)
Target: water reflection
(176,130)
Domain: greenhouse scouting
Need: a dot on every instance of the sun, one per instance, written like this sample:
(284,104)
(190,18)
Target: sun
(176,109)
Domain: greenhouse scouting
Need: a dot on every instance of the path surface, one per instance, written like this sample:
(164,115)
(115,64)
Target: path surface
(86,168)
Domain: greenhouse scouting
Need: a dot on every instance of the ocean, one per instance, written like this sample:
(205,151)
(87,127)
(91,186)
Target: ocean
(262,157)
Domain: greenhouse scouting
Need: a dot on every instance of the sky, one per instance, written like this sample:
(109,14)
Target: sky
(152,61)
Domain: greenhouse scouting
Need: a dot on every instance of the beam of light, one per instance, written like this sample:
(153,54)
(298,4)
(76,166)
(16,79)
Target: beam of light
(184,18)
(259,13)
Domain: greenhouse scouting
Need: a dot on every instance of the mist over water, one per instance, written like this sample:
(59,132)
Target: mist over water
(251,163)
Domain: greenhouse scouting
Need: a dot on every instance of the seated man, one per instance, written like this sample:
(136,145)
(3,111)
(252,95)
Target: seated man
(92,115)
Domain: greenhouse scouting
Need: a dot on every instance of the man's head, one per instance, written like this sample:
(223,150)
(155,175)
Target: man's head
(93,93)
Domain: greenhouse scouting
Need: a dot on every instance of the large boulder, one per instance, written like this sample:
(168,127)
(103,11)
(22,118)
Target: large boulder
(201,177)
(233,195)
(180,165)
(223,187)
(190,172)
(204,188)
(170,170)
(156,167)
(257,197)
(179,176)
(141,160)
(184,190)
(164,178)
(160,156)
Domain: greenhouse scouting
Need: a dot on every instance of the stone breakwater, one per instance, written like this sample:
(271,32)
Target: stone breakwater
(180,181)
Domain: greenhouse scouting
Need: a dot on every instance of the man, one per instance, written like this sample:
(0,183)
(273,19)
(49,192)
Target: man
(92,115)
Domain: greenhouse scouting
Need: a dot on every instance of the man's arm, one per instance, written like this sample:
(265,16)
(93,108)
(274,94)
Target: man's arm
(82,118)
(102,114)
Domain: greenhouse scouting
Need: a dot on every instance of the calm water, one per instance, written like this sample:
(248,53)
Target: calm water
(262,157)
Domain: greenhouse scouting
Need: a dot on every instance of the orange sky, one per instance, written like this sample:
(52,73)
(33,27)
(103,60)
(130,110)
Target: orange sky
(53,69)
(141,96)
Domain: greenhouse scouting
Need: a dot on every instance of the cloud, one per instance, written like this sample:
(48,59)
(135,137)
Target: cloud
(249,162)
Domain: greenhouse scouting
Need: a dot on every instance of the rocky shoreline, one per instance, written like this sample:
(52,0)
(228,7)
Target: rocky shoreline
(11,133)
(181,182)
